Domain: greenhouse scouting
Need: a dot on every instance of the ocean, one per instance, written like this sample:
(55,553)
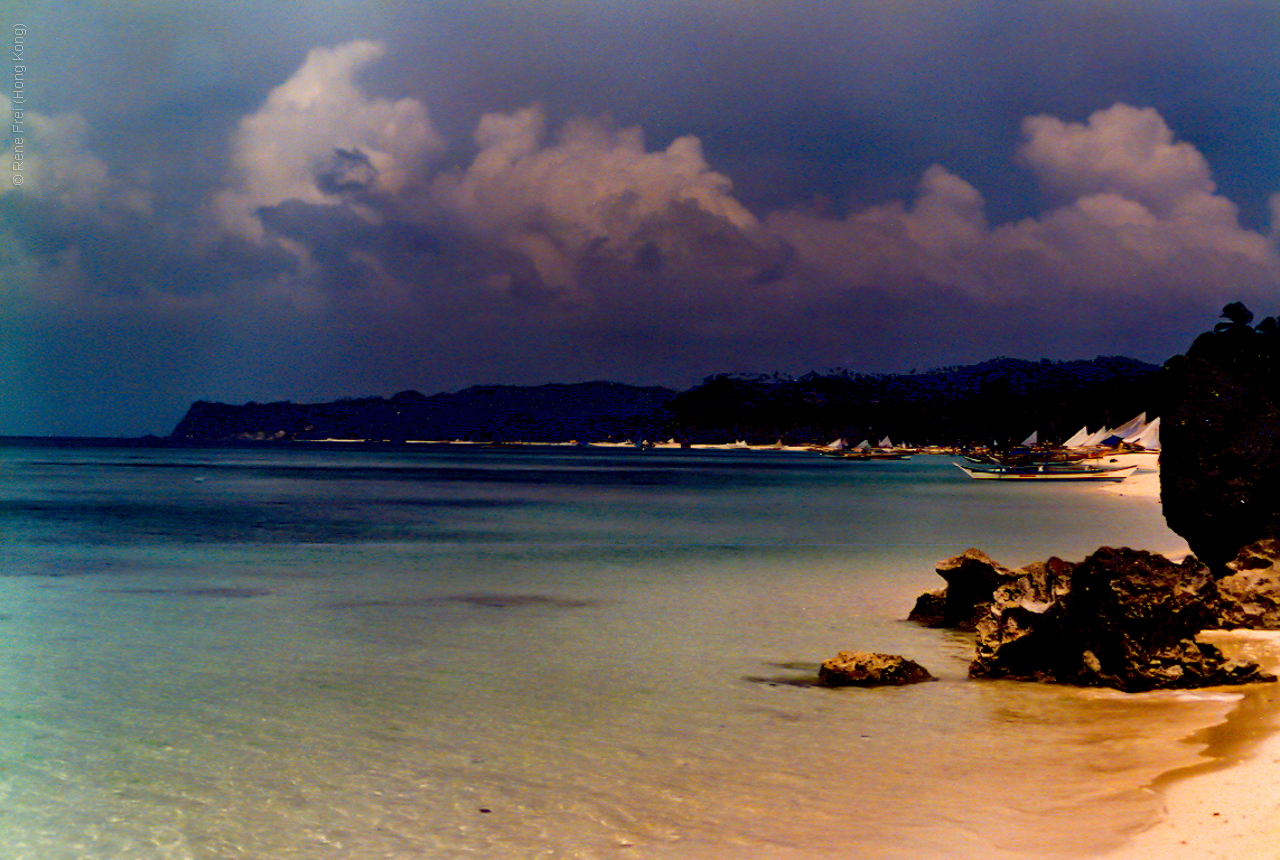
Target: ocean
(279,653)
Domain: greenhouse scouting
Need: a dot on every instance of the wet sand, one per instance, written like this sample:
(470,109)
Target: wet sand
(1227,808)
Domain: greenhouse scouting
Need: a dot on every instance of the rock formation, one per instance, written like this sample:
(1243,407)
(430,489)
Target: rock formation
(972,578)
(1220,433)
(1249,595)
(1121,618)
(862,669)
(1128,619)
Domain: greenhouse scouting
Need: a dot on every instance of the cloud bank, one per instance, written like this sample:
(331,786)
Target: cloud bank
(350,247)
(1136,215)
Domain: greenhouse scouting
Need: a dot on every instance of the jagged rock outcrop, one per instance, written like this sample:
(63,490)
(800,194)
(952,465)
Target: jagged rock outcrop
(972,577)
(1220,463)
(1128,619)
(865,669)
(1120,618)
(1249,595)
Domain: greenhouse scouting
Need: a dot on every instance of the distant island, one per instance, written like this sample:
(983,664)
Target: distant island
(992,402)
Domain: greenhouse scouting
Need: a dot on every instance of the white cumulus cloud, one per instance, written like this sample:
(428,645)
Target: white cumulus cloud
(1122,150)
(939,239)
(1137,215)
(591,188)
(320,113)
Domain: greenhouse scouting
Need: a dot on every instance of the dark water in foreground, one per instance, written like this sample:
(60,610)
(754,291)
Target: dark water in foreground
(462,652)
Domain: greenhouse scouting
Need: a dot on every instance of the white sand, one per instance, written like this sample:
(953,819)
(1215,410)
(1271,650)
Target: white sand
(1231,812)
(1143,484)
(1224,815)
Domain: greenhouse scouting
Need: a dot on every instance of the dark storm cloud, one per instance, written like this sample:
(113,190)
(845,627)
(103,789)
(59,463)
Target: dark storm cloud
(131,255)
(368,197)
(348,252)
(862,96)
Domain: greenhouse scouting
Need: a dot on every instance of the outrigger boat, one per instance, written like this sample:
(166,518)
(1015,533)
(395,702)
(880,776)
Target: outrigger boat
(870,454)
(1046,472)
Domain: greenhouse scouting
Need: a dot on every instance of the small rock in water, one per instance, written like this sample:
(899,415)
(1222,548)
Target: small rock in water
(862,669)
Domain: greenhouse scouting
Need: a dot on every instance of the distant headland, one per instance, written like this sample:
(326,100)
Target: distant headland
(992,402)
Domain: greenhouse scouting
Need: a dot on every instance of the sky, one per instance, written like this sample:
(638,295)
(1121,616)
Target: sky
(237,201)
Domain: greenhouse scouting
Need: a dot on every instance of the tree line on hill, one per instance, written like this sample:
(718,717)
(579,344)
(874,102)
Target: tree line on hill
(996,402)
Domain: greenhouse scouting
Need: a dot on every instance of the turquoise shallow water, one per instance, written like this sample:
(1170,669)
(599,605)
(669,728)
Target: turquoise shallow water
(466,652)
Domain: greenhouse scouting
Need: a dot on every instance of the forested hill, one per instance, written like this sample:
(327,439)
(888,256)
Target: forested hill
(585,411)
(999,400)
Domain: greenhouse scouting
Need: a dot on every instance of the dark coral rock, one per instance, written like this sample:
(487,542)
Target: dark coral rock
(863,669)
(1249,595)
(972,577)
(1121,618)
(1220,432)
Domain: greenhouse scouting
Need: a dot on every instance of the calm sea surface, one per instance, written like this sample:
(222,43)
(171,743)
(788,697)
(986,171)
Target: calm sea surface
(450,652)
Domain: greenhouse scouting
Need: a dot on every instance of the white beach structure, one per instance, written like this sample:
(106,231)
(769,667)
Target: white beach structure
(1096,437)
(1137,431)
(1133,437)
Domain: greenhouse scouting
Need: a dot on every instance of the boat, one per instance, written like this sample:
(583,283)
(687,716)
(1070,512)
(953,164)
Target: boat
(872,454)
(1047,472)
(864,451)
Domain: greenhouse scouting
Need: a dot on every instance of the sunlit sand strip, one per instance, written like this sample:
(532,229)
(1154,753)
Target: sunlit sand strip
(1142,484)
(1231,812)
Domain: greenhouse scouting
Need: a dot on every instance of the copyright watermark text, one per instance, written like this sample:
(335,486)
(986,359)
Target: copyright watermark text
(17,131)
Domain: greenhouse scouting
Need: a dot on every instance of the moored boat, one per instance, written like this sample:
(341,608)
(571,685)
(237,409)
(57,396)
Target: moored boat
(1047,472)
(873,454)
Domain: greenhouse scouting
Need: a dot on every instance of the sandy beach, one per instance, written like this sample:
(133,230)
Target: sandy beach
(1142,484)
(1227,808)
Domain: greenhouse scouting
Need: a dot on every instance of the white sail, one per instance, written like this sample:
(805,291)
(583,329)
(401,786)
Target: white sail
(1096,437)
(1133,437)
(1150,437)
(862,446)
(886,442)
(1078,440)
(1032,440)
(1132,425)
(836,445)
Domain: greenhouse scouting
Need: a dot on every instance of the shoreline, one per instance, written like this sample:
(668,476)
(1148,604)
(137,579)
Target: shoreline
(1225,807)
